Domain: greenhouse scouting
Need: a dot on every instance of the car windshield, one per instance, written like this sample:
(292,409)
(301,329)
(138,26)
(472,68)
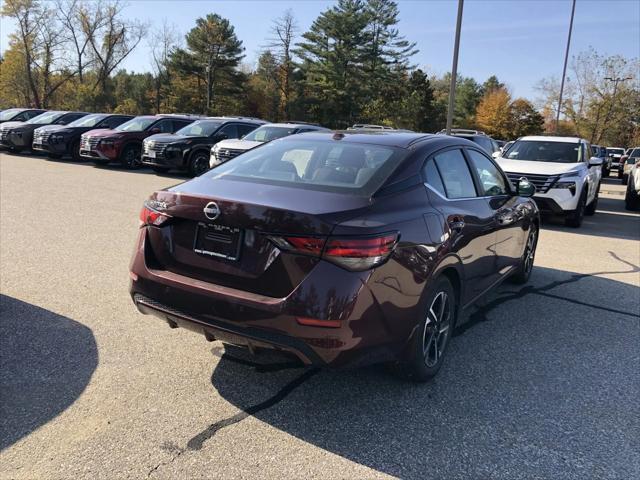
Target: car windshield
(46,118)
(9,114)
(357,169)
(202,128)
(137,124)
(266,134)
(87,121)
(615,151)
(544,151)
(635,152)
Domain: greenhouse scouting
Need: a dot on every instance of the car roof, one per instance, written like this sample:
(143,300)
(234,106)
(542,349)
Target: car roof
(294,125)
(378,137)
(552,138)
(254,120)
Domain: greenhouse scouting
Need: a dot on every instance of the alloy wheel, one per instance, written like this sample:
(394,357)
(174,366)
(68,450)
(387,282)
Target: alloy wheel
(200,165)
(530,251)
(437,324)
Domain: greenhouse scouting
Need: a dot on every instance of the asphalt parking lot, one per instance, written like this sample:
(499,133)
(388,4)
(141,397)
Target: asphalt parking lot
(542,381)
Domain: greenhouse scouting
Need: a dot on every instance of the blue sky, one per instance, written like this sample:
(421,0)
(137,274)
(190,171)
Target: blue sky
(520,41)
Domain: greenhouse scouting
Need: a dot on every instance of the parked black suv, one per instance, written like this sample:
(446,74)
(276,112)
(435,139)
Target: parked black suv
(481,138)
(17,136)
(188,149)
(60,140)
(19,114)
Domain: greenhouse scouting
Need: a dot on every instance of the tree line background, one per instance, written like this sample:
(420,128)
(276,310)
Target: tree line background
(351,66)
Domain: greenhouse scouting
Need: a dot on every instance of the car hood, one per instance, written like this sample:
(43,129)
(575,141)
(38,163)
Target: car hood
(237,144)
(52,128)
(165,138)
(543,168)
(10,125)
(104,132)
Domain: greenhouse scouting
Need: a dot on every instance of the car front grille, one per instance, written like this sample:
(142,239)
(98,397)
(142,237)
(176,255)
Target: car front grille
(226,154)
(88,143)
(157,147)
(542,182)
(4,134)
(41,138)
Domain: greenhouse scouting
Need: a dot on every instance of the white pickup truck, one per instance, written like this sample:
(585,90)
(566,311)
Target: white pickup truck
(566,176)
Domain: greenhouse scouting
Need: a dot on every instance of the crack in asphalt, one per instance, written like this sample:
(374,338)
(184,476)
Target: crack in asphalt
(478,316)
(197,441)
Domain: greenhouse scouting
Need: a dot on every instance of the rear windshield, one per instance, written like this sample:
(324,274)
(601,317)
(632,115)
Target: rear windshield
(266,134)
(199,129)
(541,151)
(615,151)
(9,114)
(137,124)
(46,118)
(330,166)
(87,121)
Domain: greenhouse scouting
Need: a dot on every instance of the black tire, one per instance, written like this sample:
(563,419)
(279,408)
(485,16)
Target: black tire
(198,163)
(75,152)
(591,208)
(574,219)
(423,358)
(523,273)
(631,198)
(160,169)
(624,178)
(605,173)
(130,157)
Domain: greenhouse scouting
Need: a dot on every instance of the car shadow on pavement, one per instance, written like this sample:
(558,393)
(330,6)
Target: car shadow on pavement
(538,381)
(46,361)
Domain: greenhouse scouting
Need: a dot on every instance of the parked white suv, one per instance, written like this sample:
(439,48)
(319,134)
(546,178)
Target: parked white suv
(566,176)
(225,150)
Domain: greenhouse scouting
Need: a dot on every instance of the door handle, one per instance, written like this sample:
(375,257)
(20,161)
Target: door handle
(456,225)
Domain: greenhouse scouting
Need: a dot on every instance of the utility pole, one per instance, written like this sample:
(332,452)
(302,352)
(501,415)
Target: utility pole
(564,69)
(454,69)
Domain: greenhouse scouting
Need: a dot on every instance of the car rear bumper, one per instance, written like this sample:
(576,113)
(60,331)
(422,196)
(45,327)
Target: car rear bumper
(253,320)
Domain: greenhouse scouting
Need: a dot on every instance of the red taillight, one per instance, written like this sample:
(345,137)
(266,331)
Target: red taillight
(149,216)
(352,253)
(360,248)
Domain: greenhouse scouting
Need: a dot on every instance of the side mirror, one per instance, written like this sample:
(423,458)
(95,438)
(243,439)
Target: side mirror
(221,136)
(496,154)
(154,130)
(595,162)
(525,188)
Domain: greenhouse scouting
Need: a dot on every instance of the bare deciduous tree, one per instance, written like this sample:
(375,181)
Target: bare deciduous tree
(283,35)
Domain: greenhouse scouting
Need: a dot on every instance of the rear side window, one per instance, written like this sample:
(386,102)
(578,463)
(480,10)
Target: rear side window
(230,130)
(113,122)
(244,129)
(455,174)
(433,177)
(358,169)
(165,126)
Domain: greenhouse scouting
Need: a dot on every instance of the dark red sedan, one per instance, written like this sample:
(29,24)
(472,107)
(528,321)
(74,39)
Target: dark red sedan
(341,248)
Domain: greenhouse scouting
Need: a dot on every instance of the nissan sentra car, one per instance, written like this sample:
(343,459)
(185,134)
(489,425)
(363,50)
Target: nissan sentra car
(344,248)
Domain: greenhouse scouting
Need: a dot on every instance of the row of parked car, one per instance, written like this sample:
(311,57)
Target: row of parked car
(163,142)
(566,171)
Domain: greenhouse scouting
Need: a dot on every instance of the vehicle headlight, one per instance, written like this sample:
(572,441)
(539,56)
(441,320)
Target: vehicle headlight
(57,138)
(17,133)
(571,186)
(106,143)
